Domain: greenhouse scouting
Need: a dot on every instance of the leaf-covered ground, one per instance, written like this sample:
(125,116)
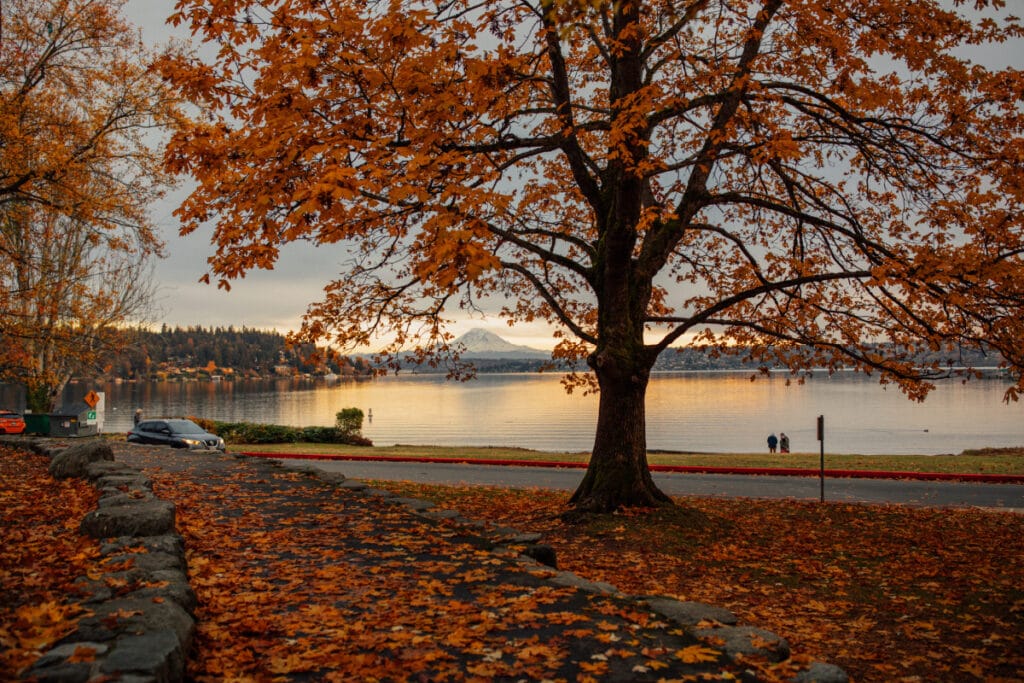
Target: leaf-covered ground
(297,580)
(41,555)
(888,593)
(301,593)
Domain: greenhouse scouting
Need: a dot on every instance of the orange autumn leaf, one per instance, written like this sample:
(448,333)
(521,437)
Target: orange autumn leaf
(697,653)
(595,668)
(83,653)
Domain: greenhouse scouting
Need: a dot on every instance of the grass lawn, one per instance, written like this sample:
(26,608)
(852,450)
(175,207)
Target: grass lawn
(982,461)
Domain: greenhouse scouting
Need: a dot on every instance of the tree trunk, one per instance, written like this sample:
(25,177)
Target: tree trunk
(57,391)
(618,475)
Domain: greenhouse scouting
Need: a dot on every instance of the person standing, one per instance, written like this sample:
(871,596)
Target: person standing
(783,443)
(137,417)
(773,442)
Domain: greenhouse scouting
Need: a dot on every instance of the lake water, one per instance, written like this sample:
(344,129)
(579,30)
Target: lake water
(712,412)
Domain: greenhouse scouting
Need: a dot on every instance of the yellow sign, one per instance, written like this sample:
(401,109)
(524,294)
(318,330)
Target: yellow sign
(91,399)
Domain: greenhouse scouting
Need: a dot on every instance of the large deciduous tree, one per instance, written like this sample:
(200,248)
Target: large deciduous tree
(68,295)
(80,164)
(820,182)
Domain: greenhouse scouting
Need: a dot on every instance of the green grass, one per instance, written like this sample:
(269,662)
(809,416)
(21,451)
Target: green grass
(983,461)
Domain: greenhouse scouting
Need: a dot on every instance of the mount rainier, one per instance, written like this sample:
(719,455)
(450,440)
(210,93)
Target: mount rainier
(483,344)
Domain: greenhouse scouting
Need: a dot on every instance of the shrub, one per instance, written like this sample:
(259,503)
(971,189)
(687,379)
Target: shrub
(320,434)
(249,432)
(349,421)
(333,435)
(263,433)
(346,431)
(206,423)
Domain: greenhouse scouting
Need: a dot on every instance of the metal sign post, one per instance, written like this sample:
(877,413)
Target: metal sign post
(821,440)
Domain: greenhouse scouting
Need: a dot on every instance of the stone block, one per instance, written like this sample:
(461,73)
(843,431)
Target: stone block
(143,518)
(74,461)
(158,654)
(166,543)
(690,613)
(747,640)
(819,672)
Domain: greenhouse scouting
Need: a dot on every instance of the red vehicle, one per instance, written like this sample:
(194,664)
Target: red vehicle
(11,423)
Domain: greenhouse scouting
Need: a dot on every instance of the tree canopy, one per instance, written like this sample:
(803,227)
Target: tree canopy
(810,179)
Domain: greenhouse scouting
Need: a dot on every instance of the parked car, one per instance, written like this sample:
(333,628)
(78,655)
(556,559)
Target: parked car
(11,423)
(175,433)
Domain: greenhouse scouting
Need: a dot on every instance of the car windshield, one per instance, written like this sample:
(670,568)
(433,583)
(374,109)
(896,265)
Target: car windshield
(185,427)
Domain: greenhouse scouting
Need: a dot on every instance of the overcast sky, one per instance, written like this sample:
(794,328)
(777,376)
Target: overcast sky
(264,300)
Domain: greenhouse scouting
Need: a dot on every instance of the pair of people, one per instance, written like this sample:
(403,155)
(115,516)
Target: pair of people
(781,442)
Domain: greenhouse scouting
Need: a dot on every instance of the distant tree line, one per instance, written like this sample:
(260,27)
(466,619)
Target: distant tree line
(223,351)
(197,352)
(690,359)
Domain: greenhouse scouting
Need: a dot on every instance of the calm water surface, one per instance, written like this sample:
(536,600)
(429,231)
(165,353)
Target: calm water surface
(714,412)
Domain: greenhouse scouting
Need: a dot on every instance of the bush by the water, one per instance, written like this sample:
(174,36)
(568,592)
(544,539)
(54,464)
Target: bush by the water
(347,429)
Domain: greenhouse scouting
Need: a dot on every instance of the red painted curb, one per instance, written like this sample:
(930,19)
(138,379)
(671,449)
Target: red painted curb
(764,471)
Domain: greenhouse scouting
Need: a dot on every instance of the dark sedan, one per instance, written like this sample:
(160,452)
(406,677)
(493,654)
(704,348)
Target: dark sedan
(176,434)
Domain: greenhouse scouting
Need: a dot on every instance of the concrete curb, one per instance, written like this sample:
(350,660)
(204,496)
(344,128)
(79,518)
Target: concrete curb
(754,471)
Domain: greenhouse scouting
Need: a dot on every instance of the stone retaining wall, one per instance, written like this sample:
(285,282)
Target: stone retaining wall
(141,605)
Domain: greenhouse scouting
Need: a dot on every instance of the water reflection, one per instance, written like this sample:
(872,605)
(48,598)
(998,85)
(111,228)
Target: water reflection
(717,412)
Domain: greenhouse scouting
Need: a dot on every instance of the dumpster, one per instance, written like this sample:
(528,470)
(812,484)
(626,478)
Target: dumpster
(37,423)
(77,419)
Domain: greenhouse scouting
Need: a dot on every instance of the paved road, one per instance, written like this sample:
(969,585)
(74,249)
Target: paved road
(940,494)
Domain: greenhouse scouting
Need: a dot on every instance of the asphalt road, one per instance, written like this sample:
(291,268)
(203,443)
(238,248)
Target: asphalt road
(905,492)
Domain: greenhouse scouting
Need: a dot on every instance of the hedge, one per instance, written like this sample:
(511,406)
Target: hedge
(347,430)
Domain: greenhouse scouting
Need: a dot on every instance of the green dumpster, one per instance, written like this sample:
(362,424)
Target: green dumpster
(37,423)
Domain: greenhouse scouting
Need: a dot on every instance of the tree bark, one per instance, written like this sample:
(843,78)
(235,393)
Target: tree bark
(618,475)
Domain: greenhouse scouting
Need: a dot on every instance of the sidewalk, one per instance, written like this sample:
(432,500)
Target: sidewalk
(312,577)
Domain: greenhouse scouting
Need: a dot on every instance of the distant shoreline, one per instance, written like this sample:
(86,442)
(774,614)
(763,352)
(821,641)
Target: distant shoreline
(955,372)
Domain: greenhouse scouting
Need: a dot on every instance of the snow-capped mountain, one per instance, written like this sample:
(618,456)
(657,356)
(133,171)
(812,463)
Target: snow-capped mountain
(483,344)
